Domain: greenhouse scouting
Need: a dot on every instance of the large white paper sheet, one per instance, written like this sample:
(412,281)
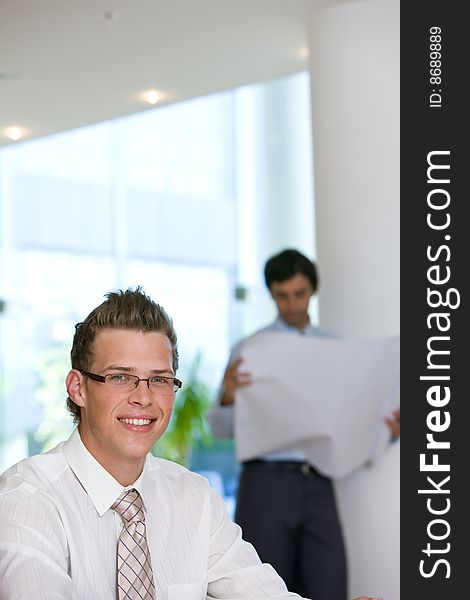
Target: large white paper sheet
(326,396)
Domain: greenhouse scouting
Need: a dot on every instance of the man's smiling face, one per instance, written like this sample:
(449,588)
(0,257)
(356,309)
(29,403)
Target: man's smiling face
(120,427)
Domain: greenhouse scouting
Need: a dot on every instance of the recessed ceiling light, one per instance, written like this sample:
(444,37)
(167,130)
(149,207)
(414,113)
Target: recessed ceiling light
(151,96)
(14,133)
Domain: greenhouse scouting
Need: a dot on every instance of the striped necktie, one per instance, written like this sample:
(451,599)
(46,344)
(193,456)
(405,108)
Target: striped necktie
(134,566)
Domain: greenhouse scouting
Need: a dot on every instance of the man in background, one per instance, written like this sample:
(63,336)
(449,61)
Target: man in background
(285,507)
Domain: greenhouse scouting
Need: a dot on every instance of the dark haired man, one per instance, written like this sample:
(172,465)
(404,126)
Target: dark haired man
(98,517)
(285,507)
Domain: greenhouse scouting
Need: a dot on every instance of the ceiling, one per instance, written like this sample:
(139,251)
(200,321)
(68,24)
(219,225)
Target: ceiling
(69,63)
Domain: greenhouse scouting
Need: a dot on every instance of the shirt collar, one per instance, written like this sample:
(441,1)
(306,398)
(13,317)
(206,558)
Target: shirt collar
(100,485)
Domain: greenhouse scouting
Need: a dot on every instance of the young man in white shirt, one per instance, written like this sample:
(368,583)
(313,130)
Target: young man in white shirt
(63,532)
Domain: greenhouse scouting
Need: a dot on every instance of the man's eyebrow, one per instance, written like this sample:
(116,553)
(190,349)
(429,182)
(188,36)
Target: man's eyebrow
(122,369)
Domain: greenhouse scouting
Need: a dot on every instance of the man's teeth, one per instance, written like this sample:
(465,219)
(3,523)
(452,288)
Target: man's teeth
(136,421)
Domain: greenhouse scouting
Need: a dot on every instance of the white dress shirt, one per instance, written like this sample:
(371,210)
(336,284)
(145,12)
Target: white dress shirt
(59,534)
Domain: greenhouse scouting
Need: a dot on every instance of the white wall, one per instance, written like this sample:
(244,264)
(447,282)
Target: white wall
(354,46)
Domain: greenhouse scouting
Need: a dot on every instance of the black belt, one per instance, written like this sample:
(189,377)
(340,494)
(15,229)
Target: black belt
(286,465)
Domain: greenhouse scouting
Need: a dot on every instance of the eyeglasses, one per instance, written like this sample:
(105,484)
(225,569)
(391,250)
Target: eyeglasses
(127,383)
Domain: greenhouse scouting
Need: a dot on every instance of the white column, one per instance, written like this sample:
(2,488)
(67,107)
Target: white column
(355,97)
(354,61)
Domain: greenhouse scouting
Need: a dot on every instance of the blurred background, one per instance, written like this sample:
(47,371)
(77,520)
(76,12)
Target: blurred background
(158,199)
(177,145)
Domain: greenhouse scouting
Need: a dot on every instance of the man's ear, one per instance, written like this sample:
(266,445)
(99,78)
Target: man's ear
(74,383)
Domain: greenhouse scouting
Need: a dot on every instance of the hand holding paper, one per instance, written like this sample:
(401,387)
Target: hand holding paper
(328,397)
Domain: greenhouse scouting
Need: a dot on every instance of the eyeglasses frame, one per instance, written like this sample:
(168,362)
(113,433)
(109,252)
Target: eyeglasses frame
(177,383)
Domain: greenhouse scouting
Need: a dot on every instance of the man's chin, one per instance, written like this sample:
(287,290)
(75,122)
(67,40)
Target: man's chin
(295,321)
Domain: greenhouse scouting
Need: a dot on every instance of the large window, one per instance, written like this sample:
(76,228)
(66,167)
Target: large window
(185,200)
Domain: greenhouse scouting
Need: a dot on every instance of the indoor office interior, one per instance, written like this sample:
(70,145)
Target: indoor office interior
(153,199)
(276,134)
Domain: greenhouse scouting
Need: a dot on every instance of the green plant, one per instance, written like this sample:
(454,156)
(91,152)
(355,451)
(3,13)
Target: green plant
(188,425)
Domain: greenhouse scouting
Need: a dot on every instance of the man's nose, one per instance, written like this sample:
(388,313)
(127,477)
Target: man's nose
(291,302)
(141,394)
